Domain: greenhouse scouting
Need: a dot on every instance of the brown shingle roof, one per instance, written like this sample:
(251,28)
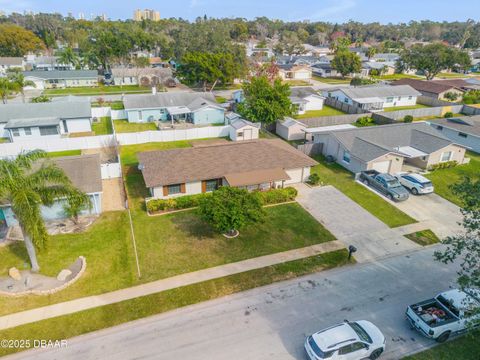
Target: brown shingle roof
(175,166)
(427,86)
(83,171)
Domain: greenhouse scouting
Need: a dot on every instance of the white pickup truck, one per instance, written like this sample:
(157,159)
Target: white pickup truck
(446,314)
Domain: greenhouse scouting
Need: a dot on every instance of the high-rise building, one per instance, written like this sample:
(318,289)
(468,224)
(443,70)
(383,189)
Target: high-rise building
(81,16)
(146,14)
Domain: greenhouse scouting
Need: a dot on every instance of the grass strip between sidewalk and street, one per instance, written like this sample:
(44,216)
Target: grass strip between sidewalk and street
(423,237)
(466,347)
(98,318)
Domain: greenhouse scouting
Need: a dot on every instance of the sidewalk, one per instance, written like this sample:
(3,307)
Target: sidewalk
(69,307)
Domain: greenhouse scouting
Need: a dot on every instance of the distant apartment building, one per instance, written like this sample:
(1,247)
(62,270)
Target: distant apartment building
(146,14)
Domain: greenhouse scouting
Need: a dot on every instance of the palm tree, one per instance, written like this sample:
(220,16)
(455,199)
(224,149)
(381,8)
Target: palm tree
(68,56)
(6,88)
(27,183)
(19,83)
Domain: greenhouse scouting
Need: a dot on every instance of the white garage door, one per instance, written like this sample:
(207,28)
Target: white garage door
(382,166)
(247,134)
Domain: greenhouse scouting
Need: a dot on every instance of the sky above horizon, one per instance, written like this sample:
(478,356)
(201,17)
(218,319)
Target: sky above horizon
(313,10)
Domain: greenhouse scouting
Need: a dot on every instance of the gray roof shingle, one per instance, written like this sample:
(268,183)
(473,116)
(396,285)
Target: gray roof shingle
(465,124)
(62,74)
(164,100)
(20,123)
(83,170)
(381,91)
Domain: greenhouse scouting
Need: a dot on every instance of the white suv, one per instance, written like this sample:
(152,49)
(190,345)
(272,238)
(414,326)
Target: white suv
(416,183)
(347,341)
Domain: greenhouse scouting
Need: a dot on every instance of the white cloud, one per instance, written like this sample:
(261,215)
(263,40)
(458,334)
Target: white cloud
(9,6)
(334,8)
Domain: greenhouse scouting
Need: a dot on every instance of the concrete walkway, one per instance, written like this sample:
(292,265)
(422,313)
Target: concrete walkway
(69,307)
(353,225)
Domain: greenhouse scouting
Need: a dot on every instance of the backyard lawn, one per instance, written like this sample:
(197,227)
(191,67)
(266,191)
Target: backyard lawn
(114,105)
(442,179)
(336,175)
(326,111)
(452,75)
(397,77)
(332,80)
(123,126)
(396,108)
(98,90)
(103,126)
(465,348)
(64,153)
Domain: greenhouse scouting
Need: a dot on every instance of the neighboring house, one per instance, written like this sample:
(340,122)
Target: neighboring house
(324,70)
(241,129)
(463,84)
(297,60)
(382,68)
(464,130)
(19,121)
(375,97)
(294,72)
(237,96)
(258,164)
(61,78)
(84,173)
(46,63)
(194,108)
(141,76)
(7,63)
(388,148)
(433,89)
(306,99)
(385,57)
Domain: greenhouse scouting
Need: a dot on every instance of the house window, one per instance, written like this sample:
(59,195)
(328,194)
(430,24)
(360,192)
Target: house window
(48,130)
(211,185)
(15,132)
(410,97)
(462,135)
(446,156)
(399,98)
(389,99)
(28,131)
(439,127)
(345,100)
(346,157)
(174,189)
(240,134)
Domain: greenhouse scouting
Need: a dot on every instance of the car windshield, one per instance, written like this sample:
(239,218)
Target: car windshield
(316,349)
(362,334)
(426,184)
(393,183)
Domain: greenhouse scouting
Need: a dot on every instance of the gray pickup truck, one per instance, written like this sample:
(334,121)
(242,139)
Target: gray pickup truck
(387,184)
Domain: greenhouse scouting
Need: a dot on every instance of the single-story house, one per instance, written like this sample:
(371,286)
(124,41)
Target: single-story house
(385,57)
(84,173)
(61,78)
(375,97)
(433,89)
(19,121)
(324,69)
(7,63)
(141,76)
(306,99)
(294,72)
(241,129)
(382,68)
(257,164)
(464,130)
(46,63)
(195,108)
(388,148)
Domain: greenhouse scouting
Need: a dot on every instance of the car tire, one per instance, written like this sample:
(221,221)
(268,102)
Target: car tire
(444,337)
(414,191)
(390,197)
(375,354)
(366,182)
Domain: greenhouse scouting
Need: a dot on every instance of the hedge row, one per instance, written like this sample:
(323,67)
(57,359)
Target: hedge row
(273,196)
(443,165)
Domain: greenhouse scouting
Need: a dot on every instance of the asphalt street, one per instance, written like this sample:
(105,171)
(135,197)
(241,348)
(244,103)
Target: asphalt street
(271,322)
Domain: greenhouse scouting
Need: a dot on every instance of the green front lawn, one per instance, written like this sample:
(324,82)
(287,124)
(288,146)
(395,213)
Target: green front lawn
(463,348)
(297,82)
(97,90)
(221,99)
(110,315)
(423,237)
(442,179)
(326,111)
(103,126)
(332,80)
(397,77)
(447,75)
(64,153)
(396,108)
(334,174)
(123,126)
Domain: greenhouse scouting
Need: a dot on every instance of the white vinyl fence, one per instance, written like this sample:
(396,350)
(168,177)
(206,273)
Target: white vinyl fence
(95,142)
(111,170)
(99,112)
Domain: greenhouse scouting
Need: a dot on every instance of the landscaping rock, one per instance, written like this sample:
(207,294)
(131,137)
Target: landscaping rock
(15,274)
(62,275)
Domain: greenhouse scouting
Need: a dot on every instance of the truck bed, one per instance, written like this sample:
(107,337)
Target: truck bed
(432,313)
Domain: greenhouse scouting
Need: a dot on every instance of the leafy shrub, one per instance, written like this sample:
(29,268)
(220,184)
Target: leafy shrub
(358,81)
(364,121)
(448,114)
(443,165)
(471,97)
(273,196)
(451,96)
(314,179)
(408,119)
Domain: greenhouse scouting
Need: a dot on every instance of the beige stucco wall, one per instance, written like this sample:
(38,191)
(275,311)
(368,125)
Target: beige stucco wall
(396,162)
(190,189)
(441,96)
(458,153)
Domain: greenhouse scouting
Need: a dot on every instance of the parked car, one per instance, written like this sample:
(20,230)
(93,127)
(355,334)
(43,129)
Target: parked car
(446,314)
(385,183)
(416,183)
(349,340)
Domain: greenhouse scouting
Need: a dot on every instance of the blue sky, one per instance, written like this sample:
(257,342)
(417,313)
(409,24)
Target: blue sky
(314,10)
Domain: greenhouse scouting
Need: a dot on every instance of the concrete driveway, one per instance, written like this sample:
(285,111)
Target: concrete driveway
(271,322)
(352,224)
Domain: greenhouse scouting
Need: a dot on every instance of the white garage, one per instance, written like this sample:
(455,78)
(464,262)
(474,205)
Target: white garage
(241,129)
(382,166)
